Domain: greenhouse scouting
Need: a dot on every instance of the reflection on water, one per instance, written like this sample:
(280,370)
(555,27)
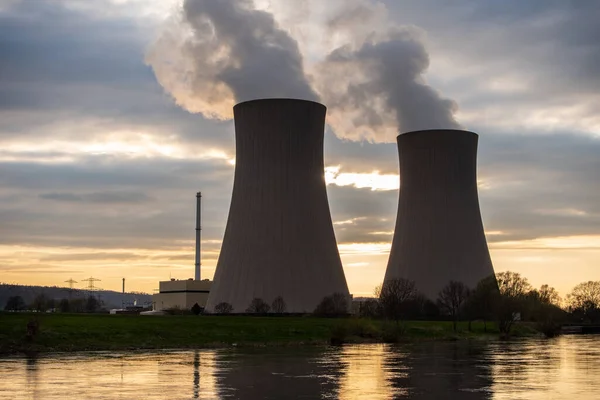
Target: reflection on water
(566,367)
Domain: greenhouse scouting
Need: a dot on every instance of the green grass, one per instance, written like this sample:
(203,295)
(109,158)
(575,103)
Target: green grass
(83,332)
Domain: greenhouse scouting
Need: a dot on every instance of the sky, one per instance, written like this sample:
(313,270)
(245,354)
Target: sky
(114,113)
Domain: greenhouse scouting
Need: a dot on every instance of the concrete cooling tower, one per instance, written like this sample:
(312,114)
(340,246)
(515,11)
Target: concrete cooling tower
(279,239)
(439,235)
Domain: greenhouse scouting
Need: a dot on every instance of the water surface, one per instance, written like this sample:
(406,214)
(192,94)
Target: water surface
(562,368)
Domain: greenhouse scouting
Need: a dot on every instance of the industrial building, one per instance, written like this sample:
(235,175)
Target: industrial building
(439,234)
(183,294)
(279,238)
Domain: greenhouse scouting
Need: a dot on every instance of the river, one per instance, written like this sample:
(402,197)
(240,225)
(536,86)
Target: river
(567,367)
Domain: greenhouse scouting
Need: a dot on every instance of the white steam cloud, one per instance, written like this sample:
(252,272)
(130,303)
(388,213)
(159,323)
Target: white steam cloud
(367,71)
(215,53)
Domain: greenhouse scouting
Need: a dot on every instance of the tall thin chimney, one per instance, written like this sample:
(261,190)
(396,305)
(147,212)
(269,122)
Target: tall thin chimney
(123,285)
(198,231)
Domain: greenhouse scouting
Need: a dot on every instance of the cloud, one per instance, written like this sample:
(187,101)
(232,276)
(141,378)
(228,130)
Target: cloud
(216,53)
(376,90)
(99,197)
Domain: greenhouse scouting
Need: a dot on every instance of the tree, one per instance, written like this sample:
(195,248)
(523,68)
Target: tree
(394,295)
(15,303)
(482,301)
(452,298)
(513,290)
(370,308)
(63,305)
(40,302)
(92,304)
(278,305)
(549,295)
(258,306)
(584,300)
(332,306)
(224,308)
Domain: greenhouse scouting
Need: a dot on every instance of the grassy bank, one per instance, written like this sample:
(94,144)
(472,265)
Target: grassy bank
(81,332)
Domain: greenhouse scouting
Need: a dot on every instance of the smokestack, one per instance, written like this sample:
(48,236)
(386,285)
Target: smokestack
(198,232)
(123,285)
(279,239)
(439,235)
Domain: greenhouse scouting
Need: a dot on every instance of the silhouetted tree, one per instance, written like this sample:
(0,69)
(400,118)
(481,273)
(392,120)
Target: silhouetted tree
(394,296)
(584,301)
(91,304)
(223,308)
(549,295)
(420,307)
(278,305)
(258,306)
(15,303)
(370,308)
(63,305)
(482,302)
(39,302)
(196,309)
(452,298)
(77,305)
(513,289)
(332,306)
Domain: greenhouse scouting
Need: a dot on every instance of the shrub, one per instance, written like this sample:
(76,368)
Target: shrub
(196,309)
(258,306)
(392,332)
(332,306)
(223,308)
(278,306)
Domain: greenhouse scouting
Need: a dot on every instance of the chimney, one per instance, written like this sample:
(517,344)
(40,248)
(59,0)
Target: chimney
(123,285)
(198,231)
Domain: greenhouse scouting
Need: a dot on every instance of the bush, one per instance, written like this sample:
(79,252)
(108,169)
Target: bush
(196,309)
(335,305)
(223,308)
(370,309)
(278,306)
(258,306)
(392,332)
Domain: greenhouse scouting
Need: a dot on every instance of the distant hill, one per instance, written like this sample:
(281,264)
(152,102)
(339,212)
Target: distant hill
(110,298)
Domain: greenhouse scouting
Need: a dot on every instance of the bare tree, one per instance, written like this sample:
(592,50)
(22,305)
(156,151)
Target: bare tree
(278,305)
(451,299)
(549,295)
(223,308)
(584,299)
(258,306)
(332,306)
(395,293)
(513,289)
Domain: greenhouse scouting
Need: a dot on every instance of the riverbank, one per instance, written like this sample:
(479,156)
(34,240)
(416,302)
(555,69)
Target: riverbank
(94,332)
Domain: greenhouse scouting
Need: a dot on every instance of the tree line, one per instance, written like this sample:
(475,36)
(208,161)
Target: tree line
(504,298)
(43,303)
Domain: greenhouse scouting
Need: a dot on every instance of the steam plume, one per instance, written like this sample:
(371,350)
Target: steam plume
(215,53)
(374,85)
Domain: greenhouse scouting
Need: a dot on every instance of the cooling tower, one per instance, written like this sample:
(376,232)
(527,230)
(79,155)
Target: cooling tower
(279,239)
(439,235)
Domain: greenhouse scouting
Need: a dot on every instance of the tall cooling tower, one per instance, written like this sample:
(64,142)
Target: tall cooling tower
(279,239)
(439,235)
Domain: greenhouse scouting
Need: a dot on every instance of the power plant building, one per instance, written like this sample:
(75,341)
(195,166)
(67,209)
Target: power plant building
(279,239)
(181,294)
(439,234)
